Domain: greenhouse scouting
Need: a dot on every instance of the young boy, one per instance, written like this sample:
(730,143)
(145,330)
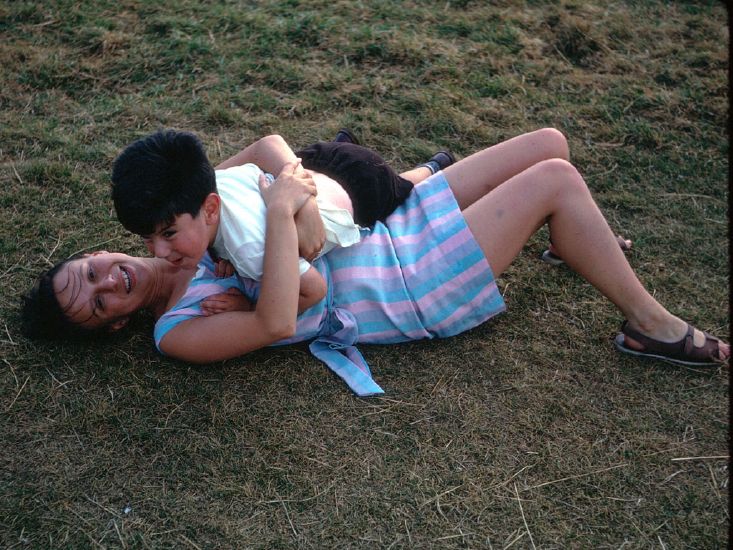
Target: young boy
(165,189)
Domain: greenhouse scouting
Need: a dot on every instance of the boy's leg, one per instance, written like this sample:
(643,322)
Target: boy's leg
(417,174)
(439,161)
(374,188)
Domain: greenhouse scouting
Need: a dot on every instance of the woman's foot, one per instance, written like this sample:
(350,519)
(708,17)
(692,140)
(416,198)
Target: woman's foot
(551,256)
(678,343)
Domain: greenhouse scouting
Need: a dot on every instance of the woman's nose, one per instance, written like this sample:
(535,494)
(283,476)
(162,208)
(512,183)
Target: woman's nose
(109,282)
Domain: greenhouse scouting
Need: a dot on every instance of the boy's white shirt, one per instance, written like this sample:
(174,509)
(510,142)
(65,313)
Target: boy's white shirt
(241,234)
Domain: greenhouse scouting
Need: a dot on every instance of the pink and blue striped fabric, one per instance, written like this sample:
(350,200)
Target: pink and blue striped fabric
(420,274)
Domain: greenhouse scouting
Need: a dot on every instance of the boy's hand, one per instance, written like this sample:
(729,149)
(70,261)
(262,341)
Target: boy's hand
(311,233)
(231,300)
(223,268)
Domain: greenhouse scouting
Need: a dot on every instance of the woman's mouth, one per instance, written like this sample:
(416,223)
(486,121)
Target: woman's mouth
(128,278)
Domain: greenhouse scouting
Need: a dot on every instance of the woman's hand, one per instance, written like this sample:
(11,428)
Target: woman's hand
(231,300)
(292,188)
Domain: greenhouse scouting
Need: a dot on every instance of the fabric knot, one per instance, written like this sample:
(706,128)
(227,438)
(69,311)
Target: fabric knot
(335,347)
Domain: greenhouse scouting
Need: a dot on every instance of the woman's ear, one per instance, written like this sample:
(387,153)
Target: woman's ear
(211,206)
(118,324)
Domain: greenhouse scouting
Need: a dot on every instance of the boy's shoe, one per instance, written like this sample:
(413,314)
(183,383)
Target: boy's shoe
(439,161)
(345,136)
(443,159)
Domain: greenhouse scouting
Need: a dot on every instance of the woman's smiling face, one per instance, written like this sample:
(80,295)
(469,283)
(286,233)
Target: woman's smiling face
(102,289)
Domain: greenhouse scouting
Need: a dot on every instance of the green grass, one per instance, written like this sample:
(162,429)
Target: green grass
(527,431)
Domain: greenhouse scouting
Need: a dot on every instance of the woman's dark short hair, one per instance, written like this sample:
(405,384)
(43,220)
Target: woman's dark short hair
(42,315)
(159,177)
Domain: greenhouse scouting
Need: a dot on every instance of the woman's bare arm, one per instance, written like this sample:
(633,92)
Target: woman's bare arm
(271,153)
(312,289)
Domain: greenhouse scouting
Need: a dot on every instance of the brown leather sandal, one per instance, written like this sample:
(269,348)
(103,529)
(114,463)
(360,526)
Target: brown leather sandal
(682,352)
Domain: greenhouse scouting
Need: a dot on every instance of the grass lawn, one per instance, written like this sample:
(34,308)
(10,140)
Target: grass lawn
(529,431)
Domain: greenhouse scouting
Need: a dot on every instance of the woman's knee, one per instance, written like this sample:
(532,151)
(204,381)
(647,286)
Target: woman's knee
(561,176)
(554,142)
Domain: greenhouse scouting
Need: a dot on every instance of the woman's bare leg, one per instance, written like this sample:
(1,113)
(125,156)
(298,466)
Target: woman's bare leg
(504,220)
(480,173)
(474,176)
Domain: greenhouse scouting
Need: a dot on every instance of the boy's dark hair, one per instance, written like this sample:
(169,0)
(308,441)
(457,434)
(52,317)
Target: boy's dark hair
(43,317)
(159,177)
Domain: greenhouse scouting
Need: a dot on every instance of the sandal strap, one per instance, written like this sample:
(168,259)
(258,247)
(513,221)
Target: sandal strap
(684,348)
(710,350)
(622,243)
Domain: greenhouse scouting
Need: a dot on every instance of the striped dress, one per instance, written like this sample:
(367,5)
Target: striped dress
(421,274)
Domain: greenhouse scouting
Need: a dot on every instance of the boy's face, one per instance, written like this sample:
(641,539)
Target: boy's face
(184,242)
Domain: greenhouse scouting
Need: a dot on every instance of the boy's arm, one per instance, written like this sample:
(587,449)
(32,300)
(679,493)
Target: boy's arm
(312,289)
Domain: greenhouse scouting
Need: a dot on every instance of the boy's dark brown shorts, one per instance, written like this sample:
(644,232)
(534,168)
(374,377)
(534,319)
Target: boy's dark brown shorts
(375,189)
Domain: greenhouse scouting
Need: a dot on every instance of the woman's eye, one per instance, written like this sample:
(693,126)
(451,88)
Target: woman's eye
(91,274)
(169,234)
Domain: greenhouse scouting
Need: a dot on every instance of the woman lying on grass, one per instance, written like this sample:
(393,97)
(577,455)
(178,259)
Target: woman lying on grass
(428,271)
